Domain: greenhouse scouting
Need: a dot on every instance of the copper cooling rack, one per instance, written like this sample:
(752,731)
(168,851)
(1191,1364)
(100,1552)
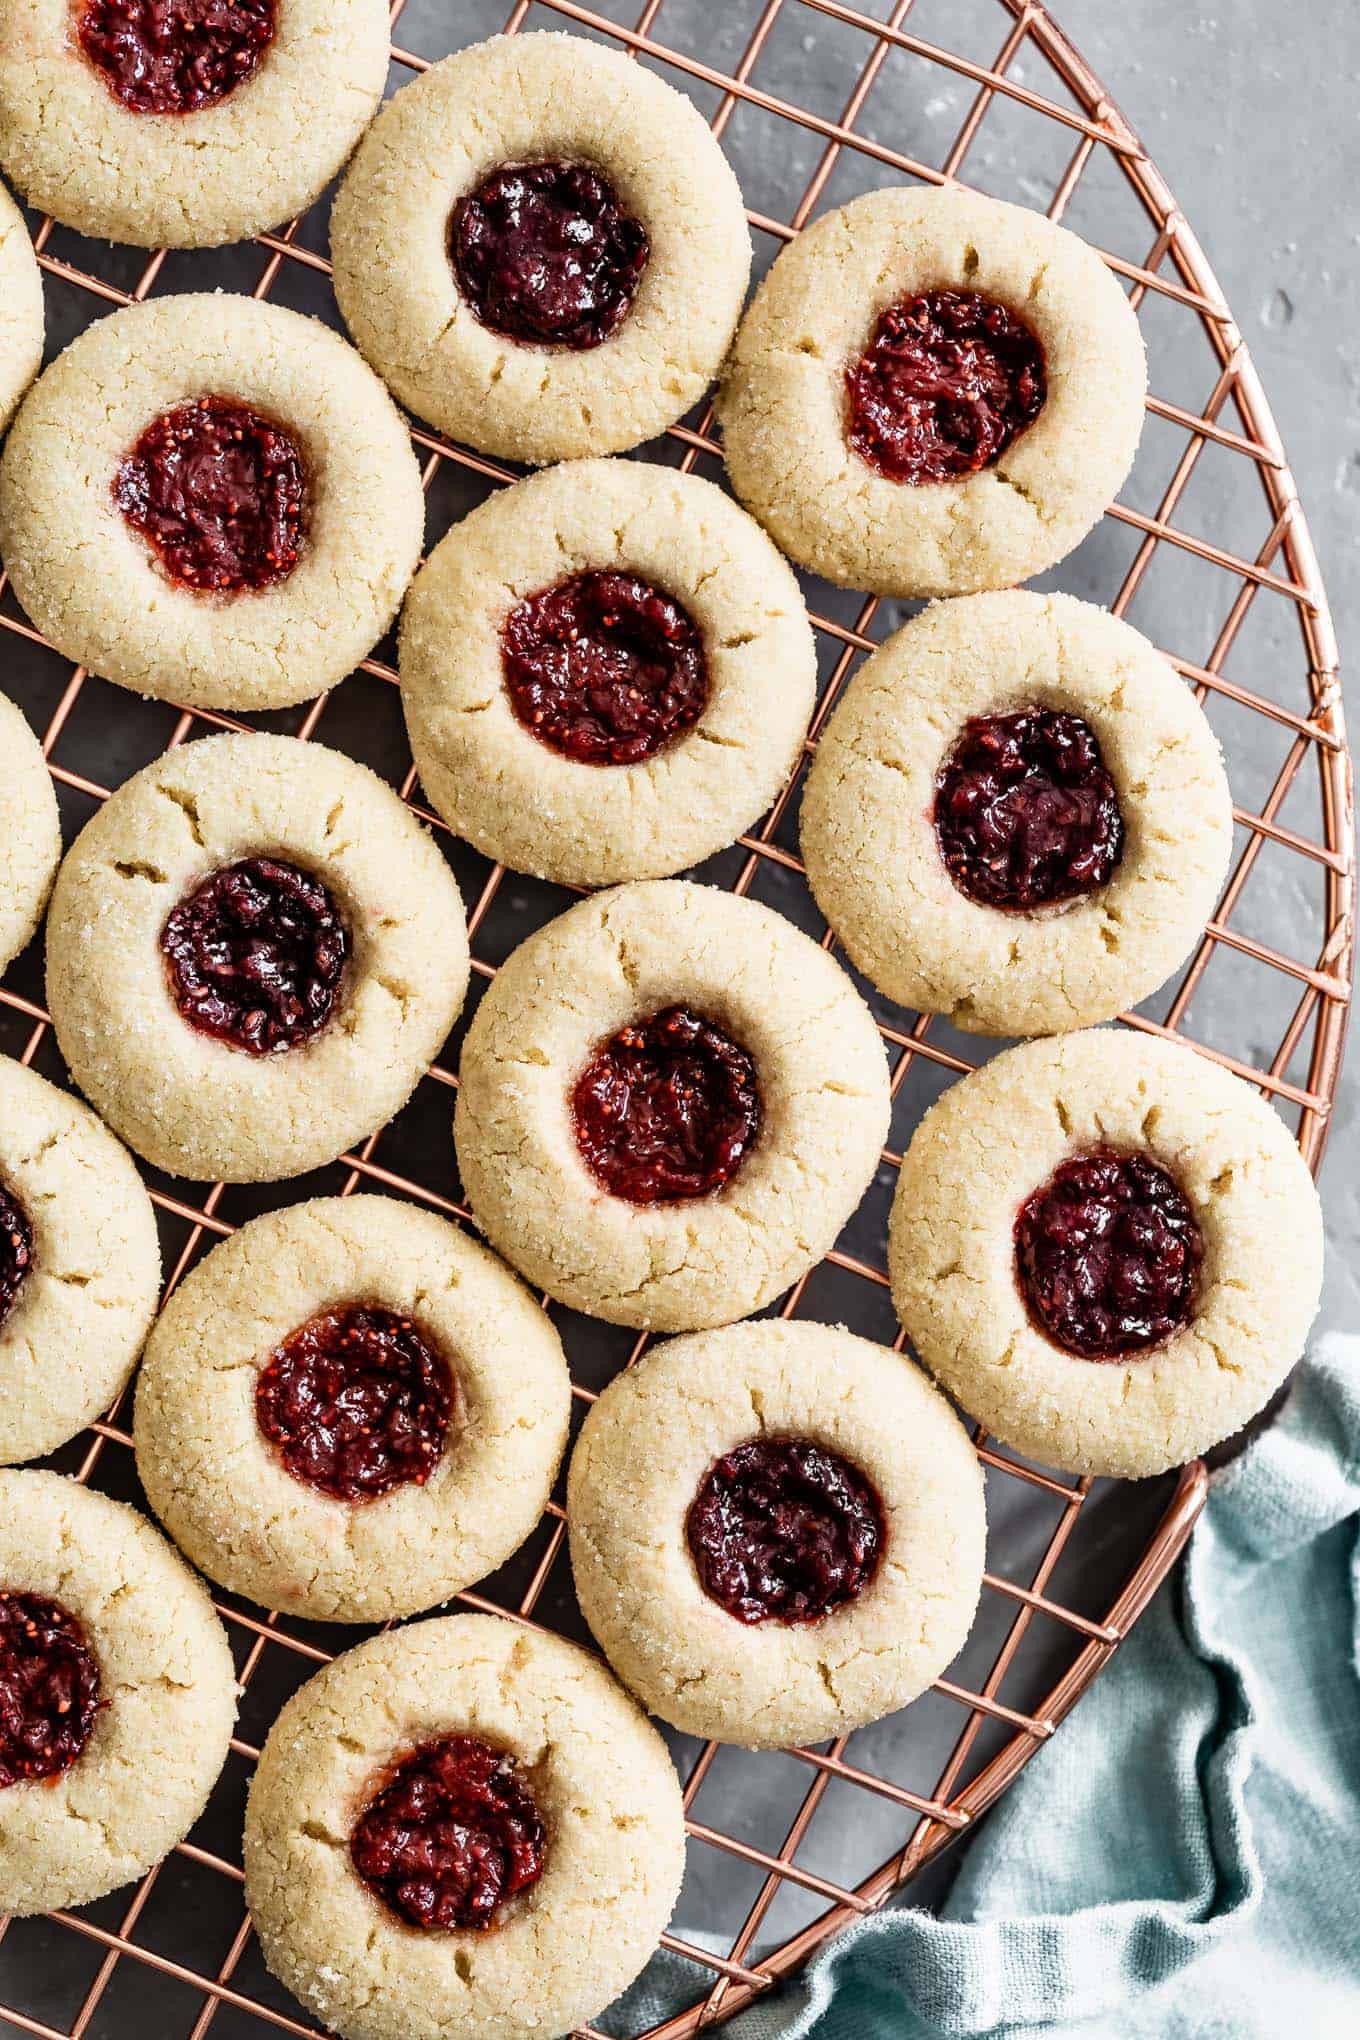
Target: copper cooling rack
(772,1836)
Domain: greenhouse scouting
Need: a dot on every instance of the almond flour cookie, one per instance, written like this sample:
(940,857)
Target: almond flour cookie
(117,1694)
(541,248)
(213,501)
(521,1747)
(607,673)
(1108,1249)
(21,307)
(254,951)
(777,1532)
(351,1411)
(184,123)
(933,393)
(80,1265)
(670,1103)
(30,833)
(1018,815)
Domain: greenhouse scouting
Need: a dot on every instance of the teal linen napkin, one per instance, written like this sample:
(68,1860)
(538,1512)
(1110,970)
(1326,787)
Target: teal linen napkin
(1182,1862)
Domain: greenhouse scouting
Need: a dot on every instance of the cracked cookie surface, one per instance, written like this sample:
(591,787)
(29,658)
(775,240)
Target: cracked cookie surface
(95,584)
(72,1334)
(540,103)
(192,172)
(166,1695)
(221,1486)
(184,1100)
(528,805)
(30,832)
(602,1786)
(644,1453)
(787,413)
(870,816)
(21,308)
(609,963)
(995,1139)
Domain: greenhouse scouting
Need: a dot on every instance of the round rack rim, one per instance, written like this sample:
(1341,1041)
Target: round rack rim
(1286,566)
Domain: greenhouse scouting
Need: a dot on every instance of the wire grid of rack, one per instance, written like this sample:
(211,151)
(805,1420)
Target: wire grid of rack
(220,1985)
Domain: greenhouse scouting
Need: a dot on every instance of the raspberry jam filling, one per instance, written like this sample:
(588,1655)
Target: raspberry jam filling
(1108,1255)
(545,253)
(220,493)
(16,1250)
(49,1688)
(357,1402)
(175,56)
(604,668)
(948,380)
(784,1530)
(256,955)
(667,1109)
(1025,813)
(451,1836)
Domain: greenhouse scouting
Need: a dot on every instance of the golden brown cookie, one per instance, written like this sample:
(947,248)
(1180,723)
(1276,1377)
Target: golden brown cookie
(101,1781)
(528,1745)
(351,1410)
(541,248)
(253,953)
(212,501)
(607,672)
(670,1103)
(1107,1248)
(933,393)
(30,833)
(185,126)
(1017,816)
(80,1265)
(777,1531)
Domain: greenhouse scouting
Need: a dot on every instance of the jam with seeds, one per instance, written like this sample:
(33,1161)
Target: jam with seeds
(667,1109)
(357,1403)
(948,380)
(784,1530)
(1108,1255)
(604,668)
(49,1688)
(256,955)
(220,493)
(175,56)
(16,1250)
(545,253)
(1026,815)
(452,1835)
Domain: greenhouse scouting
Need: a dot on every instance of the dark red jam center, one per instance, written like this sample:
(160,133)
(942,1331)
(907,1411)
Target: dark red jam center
(256,955)
(16,1250)
(784,1530)
(220,493)
(1108,1254)
(545,253)
(1025,813)
(174,56)
(948,380)
(452,1836)
(49,1688)
(604,668)
(357,1403)
(666,1109)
